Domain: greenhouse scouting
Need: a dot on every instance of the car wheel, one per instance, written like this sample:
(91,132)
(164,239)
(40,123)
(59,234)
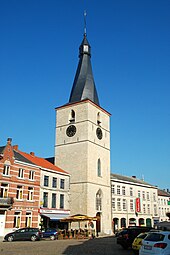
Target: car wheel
(10,238)
(33,238)
(52,237)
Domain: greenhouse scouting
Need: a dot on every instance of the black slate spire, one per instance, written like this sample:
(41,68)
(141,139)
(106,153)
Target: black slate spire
(84,85)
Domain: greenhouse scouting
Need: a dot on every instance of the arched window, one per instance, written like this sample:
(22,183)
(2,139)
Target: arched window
(99,200)
(98,118)
(99,167)
(72,116)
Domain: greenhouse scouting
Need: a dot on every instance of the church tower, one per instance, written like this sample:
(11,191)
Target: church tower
(82,145)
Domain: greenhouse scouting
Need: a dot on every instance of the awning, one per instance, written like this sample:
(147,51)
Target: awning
(55,216)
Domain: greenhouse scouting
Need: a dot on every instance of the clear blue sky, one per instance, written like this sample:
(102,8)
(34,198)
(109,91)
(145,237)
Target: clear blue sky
(130,42)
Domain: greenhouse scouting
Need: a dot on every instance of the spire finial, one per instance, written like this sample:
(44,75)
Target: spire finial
(85,29)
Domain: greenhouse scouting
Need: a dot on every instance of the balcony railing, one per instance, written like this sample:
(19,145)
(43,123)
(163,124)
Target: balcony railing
(6,201)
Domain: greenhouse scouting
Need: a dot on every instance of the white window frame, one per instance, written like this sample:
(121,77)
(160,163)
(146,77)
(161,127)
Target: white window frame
(6,170)
(19,194)
(31,175)
(30,193)
(21,173)
(17,220)
(28,219)
(4,190)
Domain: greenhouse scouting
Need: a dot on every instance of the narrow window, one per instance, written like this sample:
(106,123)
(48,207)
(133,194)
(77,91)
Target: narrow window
(118,189)
(119,204)
(123,191)
(46,180)
(113,204)
(131,205)
(139,193)
(17,219)
(99,167)
(4,190)
(99,200)
(131,192)
(144,208)
(45,199)
(113,189)
(53,200)
(62,182)
(28,219)
(61,201)
(149,211)
(54,185)
(19,194)
(6,170)
(72,116)
(30,193)
(21,173)
(31,175)
(124,205)
(98,118)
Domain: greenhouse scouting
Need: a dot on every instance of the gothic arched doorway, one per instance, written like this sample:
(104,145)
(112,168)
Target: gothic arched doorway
(98,223)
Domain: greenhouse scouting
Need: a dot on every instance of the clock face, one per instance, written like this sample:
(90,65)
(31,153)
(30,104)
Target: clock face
(71,130)
(99,133)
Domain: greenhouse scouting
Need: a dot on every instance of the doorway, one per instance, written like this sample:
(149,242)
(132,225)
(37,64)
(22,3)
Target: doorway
(98,223)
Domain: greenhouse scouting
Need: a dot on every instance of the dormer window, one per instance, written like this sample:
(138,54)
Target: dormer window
(72,116)
(98,119)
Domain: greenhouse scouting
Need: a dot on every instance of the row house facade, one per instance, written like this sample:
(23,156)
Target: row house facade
(163,204)
(25,199)
(54,192)
(134,202)
(20,190)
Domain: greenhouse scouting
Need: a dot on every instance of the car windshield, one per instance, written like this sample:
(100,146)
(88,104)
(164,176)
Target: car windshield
(155,237)
(142,235)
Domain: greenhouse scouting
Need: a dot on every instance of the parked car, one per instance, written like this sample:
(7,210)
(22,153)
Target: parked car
(50,233)
(138,242)
(126,238)
(156,243)
(120,232)
(22,234)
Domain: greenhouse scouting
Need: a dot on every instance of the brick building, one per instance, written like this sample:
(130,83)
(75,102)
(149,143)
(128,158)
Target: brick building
(20,190)
(33,191)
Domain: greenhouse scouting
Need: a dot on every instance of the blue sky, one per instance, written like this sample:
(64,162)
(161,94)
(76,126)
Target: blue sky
(130,40)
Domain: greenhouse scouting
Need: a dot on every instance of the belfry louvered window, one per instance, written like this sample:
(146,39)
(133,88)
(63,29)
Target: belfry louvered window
(72,116)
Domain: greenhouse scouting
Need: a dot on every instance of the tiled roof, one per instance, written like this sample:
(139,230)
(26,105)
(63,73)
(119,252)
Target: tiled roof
(130,179)
(163,193)
(41,162)
(18,156)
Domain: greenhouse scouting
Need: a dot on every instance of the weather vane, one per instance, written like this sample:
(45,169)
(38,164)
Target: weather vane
(85,29)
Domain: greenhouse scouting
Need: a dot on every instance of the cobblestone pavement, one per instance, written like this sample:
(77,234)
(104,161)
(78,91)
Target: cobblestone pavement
(98,246)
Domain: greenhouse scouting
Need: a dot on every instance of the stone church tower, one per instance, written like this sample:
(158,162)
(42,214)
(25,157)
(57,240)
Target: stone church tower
(82,145)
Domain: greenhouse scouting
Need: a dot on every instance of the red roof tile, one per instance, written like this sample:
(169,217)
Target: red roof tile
(43,163)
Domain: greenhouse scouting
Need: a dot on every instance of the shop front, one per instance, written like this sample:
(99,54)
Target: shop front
(51,218)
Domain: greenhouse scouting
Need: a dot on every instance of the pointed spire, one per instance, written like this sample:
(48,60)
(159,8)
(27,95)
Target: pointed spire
(84,85)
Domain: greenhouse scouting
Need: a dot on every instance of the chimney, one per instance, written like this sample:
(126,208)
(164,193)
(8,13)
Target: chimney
(134,176)
(9,141)
(32,153)
(15,147)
